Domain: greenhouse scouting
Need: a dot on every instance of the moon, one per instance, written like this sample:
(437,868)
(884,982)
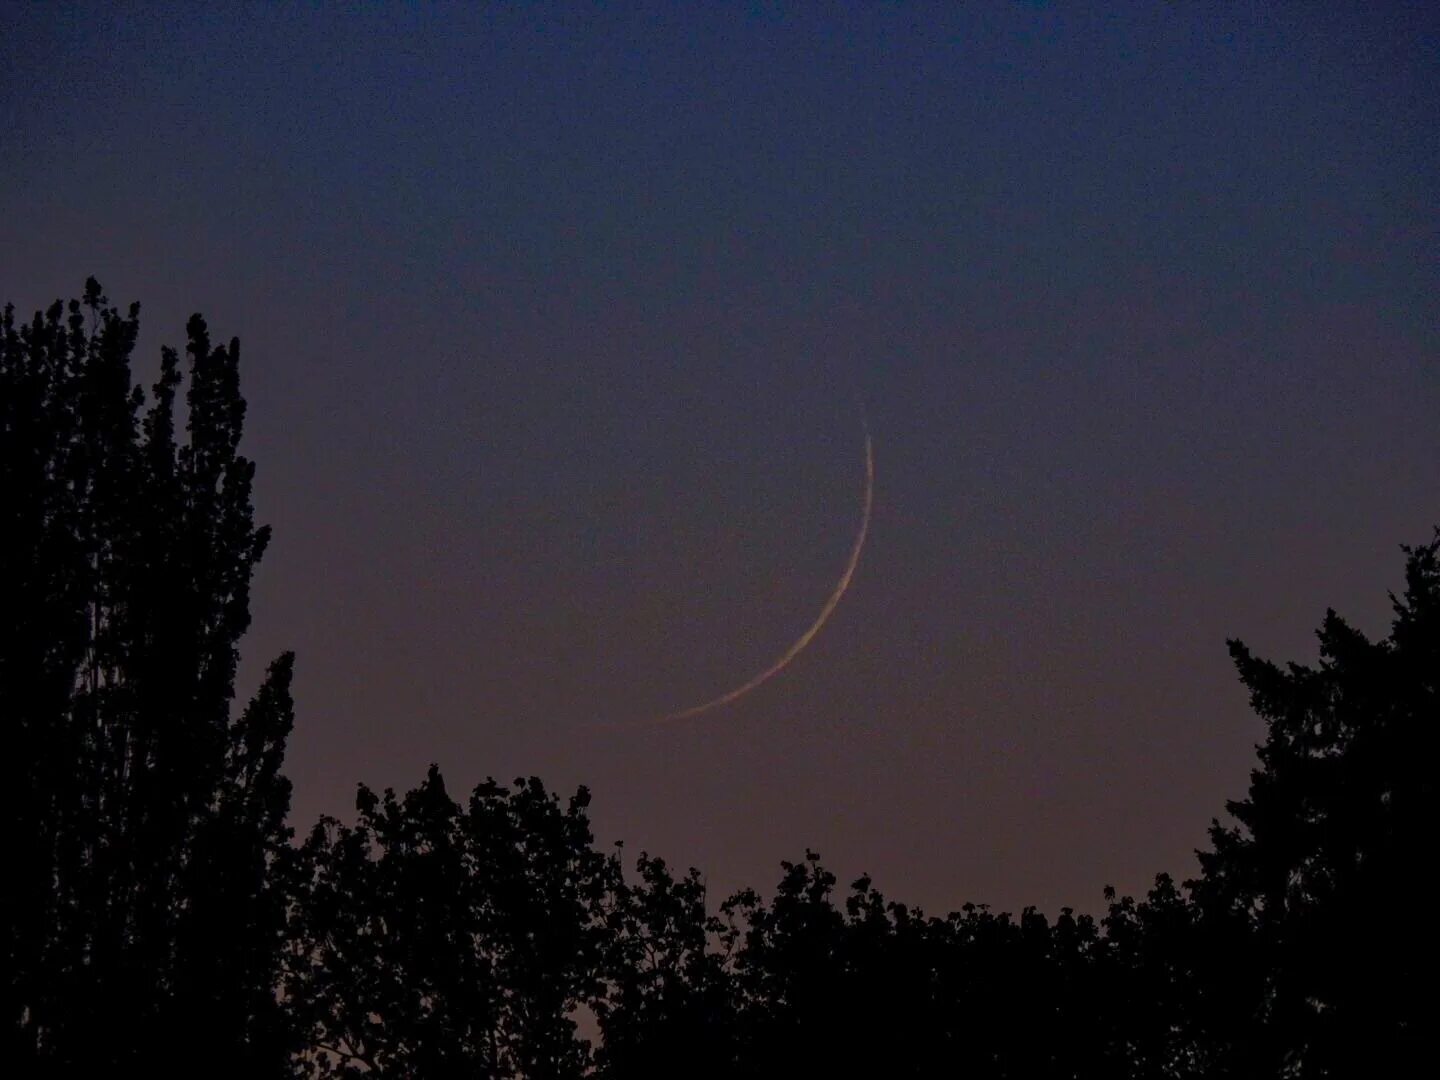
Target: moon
(825,612)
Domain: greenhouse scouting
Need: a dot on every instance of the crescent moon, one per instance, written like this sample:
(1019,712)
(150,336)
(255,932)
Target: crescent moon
(825,612)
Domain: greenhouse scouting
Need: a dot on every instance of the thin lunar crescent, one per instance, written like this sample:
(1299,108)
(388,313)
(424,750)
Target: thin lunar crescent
(825,612)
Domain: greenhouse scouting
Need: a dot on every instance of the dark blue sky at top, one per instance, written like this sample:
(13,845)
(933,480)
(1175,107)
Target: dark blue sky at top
(554,321)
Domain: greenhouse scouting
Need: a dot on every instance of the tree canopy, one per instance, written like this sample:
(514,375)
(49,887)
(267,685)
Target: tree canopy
(159,915)
(144,910)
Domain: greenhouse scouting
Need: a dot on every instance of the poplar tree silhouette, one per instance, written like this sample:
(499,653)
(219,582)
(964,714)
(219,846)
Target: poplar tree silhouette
(142,917)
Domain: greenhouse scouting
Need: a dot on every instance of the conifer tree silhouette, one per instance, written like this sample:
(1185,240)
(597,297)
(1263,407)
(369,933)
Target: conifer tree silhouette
(1309,887)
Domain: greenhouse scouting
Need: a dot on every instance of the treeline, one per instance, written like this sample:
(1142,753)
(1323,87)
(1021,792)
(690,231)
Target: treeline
(161,917)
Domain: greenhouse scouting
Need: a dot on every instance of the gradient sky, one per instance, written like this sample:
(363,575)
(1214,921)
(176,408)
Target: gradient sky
(554,320)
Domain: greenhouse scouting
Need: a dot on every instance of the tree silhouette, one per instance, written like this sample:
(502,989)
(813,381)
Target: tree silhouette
(1159,1013)
(157,919)
(435,940)
(670,995)
(1329,845)
(142,920)
(1287,956)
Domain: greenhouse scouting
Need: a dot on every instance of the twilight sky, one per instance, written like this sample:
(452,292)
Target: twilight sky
(554,320)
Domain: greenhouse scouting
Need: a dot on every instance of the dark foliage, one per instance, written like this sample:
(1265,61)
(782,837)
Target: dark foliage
(142,913)
(157,918)
(436,940)
(1329,845)
(670,997)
